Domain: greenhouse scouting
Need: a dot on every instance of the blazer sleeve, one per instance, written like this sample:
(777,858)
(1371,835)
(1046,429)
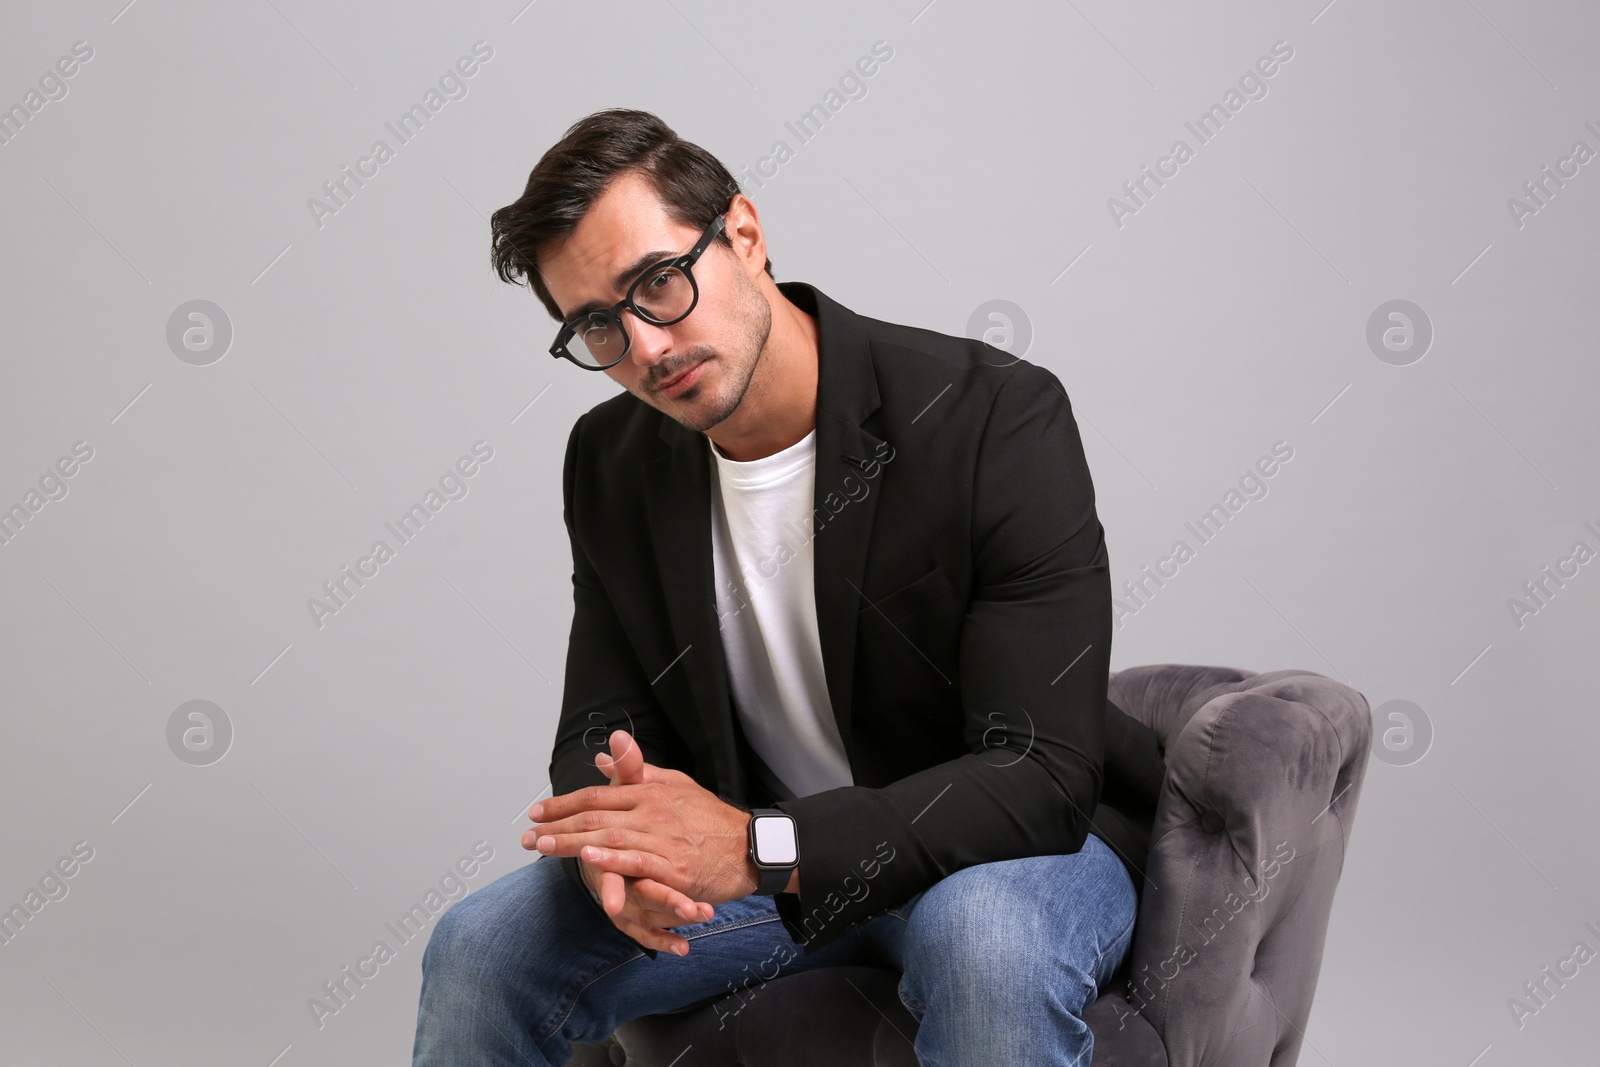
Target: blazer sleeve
(605,688)
(1034,663)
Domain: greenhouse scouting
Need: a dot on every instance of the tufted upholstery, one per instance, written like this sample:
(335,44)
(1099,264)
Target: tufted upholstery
(1263,772)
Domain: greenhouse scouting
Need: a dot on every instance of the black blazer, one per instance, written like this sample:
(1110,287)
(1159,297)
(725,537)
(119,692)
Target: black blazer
(964,604)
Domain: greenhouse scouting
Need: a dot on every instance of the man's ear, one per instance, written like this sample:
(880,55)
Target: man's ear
(743,228)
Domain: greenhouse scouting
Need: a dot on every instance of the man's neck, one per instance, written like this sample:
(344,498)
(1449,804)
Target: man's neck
(780,406)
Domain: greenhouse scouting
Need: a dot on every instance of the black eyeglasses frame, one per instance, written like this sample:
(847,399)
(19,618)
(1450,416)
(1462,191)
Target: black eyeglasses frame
(685,263)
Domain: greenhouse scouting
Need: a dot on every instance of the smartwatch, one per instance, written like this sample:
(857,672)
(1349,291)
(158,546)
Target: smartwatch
(774,849)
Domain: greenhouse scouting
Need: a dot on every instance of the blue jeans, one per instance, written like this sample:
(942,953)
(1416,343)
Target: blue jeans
(997,963)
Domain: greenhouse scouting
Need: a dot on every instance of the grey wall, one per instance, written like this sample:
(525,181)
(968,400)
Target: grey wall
(1195,329)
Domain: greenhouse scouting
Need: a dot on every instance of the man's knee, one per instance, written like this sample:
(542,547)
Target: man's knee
(469,938)
(968,921)
(461,937)
(1045,922)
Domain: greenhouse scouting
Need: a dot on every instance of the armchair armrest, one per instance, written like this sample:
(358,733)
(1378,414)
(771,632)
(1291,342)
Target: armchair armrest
(1263,775)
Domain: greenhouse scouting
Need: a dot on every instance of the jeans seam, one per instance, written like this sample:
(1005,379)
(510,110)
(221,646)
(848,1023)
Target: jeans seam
(1099,959)
(572,1001)
(592,979)
(740,925)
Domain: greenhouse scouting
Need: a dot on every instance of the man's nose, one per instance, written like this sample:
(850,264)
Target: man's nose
(648,343)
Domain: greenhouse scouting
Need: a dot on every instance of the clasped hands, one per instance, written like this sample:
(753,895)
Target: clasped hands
(660,849)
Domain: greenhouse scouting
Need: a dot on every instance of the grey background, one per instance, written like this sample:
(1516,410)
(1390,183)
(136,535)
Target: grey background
(370,353)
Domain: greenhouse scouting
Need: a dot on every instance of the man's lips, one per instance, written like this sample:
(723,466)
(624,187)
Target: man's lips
(676,378)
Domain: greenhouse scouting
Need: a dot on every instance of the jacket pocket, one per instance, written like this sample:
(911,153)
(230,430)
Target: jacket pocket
(911,597)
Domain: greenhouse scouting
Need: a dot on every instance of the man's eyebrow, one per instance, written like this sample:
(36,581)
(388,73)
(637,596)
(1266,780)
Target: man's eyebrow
(624,278)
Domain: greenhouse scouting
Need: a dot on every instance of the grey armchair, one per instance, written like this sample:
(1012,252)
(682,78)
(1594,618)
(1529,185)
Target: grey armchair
(1263,772)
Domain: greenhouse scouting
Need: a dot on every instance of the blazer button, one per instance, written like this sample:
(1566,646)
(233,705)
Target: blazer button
(1212,823)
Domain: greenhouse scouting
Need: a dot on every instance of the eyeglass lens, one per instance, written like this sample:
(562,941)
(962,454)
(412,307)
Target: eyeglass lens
(663,298)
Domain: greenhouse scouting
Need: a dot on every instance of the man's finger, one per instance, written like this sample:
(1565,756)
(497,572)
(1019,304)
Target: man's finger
(626,758)
(635,906)
(660,940)
(613,892)
(572,842)
(664,898)
(625,764)
(650,918)
(629,862)
(610,796)
(591,821)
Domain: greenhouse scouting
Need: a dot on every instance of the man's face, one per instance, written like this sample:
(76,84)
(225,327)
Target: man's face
(719,342)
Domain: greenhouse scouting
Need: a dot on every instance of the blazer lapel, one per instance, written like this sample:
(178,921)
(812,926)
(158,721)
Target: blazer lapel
(847,392)
(677,492)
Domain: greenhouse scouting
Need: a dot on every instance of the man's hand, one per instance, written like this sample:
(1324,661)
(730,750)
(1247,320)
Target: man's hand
(642,908)
(650,823)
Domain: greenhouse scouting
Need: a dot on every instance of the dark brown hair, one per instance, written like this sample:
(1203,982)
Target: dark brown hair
(690,182)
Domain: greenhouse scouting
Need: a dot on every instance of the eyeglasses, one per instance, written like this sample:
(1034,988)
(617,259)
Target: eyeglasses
(596,340)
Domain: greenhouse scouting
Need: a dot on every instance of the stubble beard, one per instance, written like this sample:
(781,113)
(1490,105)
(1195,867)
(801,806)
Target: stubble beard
(758,327)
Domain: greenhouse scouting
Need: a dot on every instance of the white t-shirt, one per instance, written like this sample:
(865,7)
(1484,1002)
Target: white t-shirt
(761,537)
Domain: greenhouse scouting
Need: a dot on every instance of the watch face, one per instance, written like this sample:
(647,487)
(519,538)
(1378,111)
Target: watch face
(775,844)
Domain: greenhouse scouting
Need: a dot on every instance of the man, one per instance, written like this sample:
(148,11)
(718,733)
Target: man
(842,625)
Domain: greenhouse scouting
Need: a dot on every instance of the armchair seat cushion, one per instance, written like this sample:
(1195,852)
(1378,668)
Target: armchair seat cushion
(834,1015)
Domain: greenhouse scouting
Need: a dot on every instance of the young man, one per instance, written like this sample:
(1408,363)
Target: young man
(836,681)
